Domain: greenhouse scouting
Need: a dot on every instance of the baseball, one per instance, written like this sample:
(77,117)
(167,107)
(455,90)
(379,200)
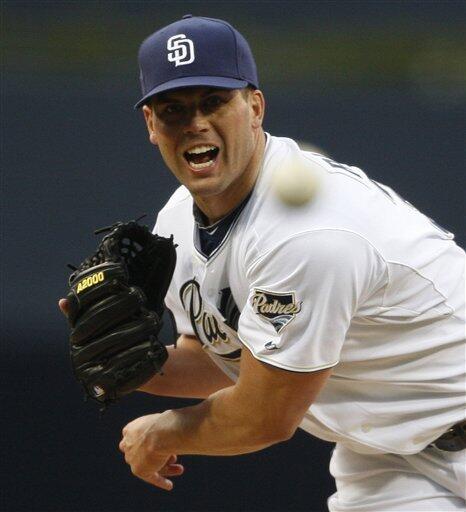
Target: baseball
(295,183)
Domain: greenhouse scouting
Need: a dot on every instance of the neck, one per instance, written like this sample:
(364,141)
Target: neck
(218,206)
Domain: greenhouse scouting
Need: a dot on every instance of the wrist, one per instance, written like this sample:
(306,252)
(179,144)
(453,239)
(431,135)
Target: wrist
(162,433)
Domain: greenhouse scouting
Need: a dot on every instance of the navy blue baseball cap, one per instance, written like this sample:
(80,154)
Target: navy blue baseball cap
(195,51)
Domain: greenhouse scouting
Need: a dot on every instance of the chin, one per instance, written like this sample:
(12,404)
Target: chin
(205,191)
(206,188)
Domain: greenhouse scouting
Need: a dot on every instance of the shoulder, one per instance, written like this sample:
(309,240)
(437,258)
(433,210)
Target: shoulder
(267,222)
(178,200)
(176,215)
(320,251)
(345,200)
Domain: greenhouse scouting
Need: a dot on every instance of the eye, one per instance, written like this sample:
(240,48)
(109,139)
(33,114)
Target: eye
(213,102)
(173,108)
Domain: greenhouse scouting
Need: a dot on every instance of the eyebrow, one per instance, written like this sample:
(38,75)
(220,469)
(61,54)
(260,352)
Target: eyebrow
(166,98)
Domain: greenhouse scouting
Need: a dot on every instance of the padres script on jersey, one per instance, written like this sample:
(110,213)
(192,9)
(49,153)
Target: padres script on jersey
(357,280)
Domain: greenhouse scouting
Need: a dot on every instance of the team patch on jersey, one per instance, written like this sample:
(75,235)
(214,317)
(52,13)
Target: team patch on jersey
(277,308)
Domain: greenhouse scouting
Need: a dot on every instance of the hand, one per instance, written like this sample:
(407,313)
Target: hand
(141,453)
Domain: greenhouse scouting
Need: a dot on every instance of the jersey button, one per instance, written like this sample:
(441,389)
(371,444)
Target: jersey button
(366,427)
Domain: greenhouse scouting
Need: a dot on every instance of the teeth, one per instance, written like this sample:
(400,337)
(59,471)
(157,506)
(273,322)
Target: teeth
(201,166)
(200,149)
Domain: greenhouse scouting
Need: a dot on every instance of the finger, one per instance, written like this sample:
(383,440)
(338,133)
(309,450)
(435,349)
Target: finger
(122,446)
(172,459)
(64,306)
(172,470)
(158,480)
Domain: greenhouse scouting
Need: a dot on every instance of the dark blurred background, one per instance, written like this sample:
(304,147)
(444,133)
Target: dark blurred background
(381,85)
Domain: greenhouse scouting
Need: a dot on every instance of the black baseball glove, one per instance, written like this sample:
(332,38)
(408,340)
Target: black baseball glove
(116,303)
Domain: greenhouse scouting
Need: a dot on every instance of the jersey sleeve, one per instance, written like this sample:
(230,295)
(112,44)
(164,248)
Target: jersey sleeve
(302,296)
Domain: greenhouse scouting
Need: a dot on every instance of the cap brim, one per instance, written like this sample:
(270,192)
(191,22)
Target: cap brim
(194,81)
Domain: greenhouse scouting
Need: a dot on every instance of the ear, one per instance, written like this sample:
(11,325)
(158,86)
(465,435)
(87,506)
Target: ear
(150,123)
(258,107)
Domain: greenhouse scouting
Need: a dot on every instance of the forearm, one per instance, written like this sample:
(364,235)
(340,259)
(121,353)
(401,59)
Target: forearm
(188,373)
(217,426)
(264,407)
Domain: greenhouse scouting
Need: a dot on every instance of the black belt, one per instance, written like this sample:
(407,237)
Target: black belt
(453,440)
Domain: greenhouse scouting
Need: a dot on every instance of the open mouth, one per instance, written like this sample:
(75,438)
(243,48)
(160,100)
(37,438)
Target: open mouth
(201,157)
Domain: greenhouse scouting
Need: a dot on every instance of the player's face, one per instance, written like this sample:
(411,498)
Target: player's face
(210,139)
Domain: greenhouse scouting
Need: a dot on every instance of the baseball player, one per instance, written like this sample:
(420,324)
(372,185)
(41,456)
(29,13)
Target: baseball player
(343,317)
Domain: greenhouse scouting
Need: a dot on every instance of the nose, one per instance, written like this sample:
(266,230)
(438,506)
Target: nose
(196,122)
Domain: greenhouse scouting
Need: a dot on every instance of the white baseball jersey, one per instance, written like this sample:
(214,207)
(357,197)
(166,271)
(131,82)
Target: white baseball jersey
(357,279)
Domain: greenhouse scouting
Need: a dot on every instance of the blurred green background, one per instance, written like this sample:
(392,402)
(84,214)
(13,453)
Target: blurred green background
(326,44)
